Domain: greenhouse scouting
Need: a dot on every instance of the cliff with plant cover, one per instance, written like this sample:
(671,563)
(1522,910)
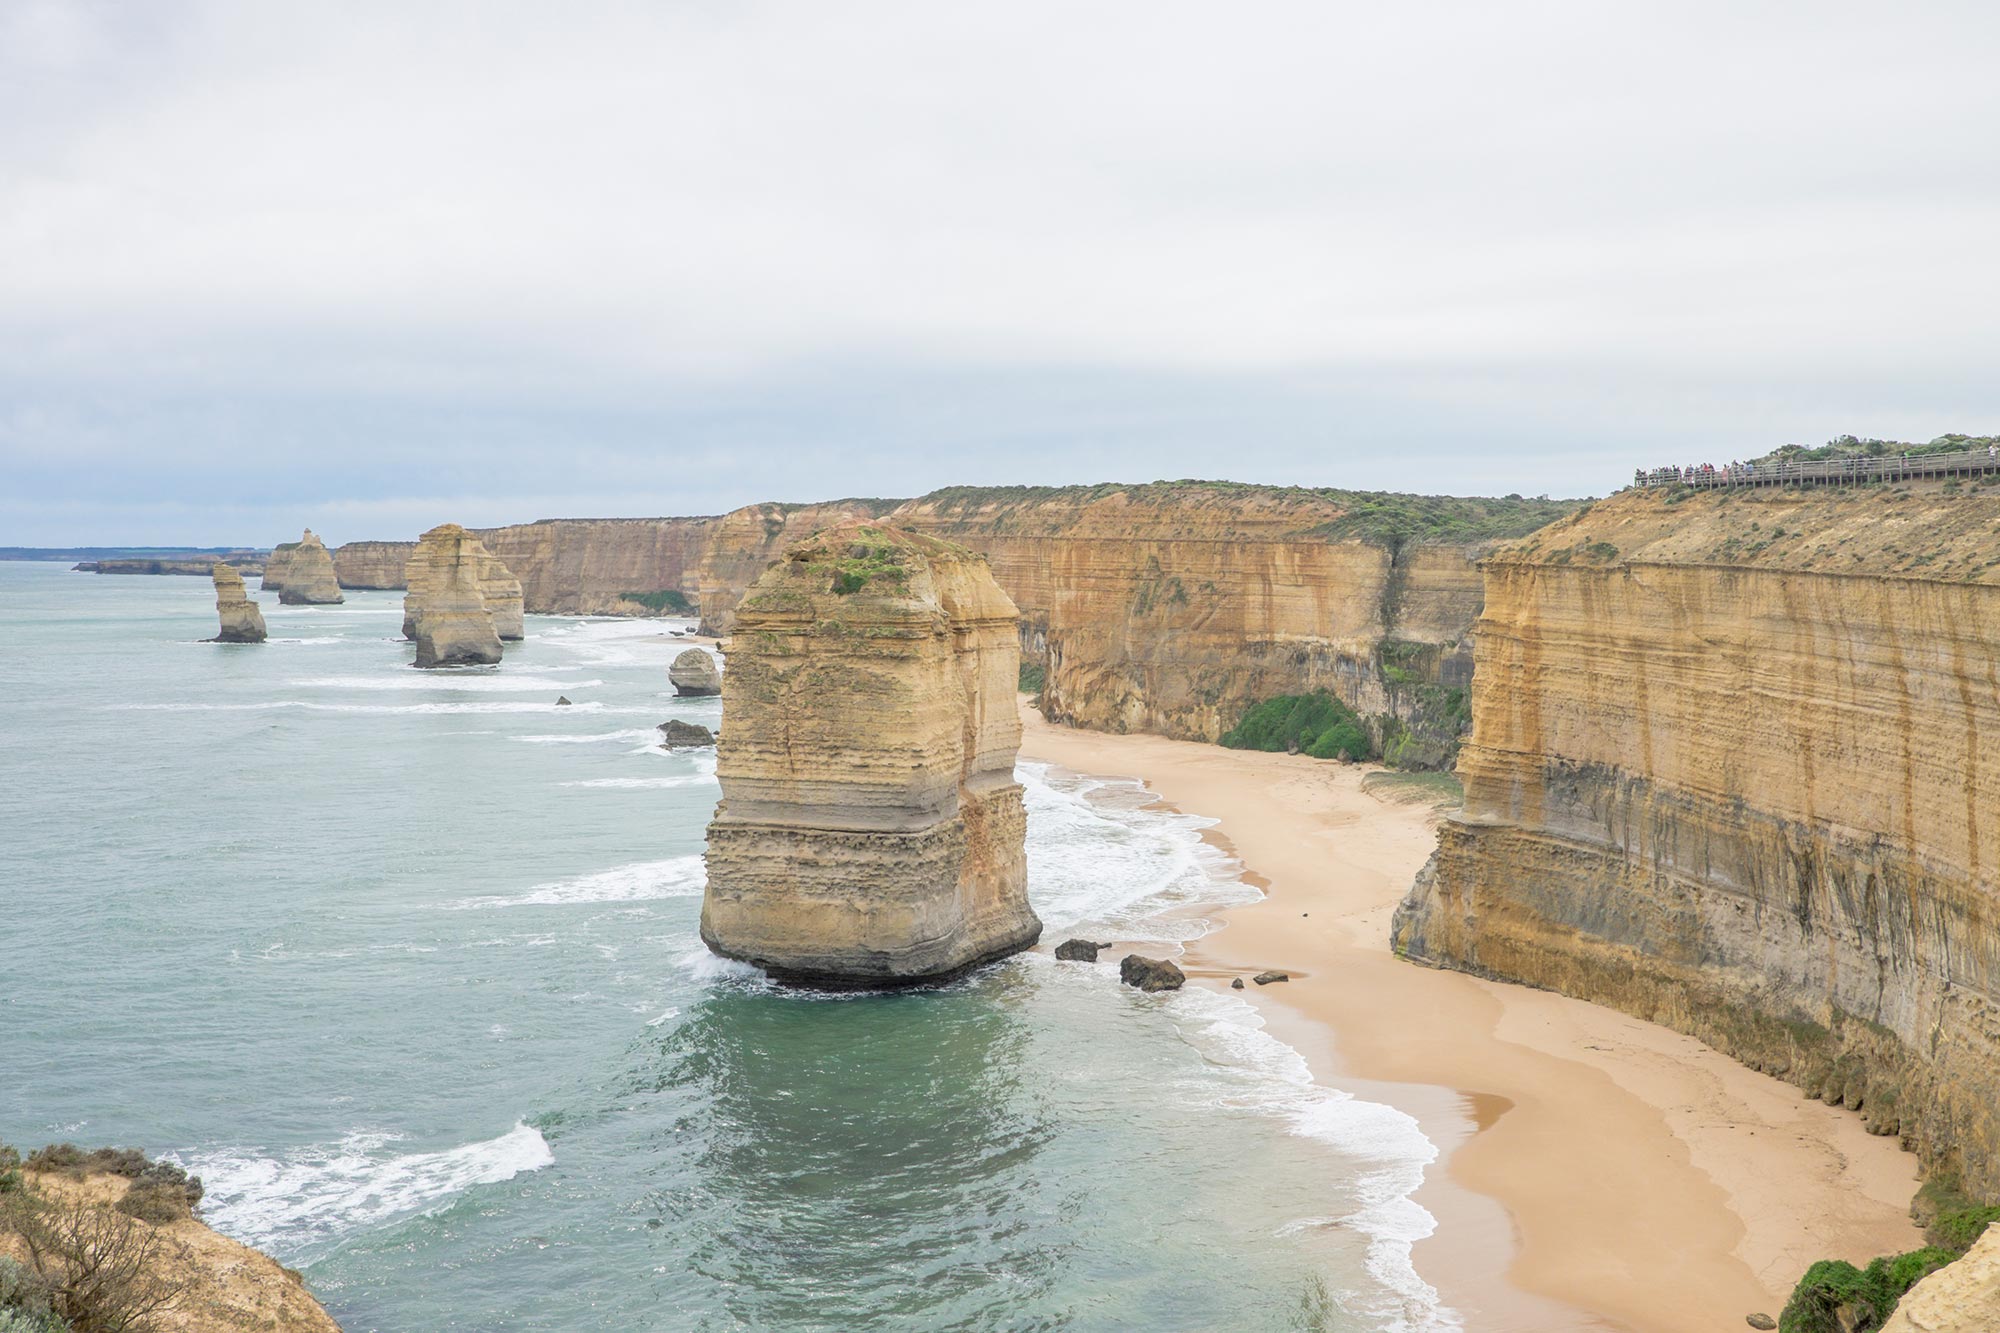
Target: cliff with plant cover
(1731,770)
(1174,607)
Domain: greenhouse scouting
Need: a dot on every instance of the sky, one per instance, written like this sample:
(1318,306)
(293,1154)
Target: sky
(374,266)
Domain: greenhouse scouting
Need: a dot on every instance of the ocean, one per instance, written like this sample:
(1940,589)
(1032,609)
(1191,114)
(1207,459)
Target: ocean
(404,964)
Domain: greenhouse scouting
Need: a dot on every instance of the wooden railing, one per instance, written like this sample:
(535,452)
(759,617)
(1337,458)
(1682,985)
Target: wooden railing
(1828,471)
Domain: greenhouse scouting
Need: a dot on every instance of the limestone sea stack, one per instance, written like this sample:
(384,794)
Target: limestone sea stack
(502,593)
(499,590)
(309,579)
(870,830)
(242,622)
(694,676)
(276,565)
(452,625)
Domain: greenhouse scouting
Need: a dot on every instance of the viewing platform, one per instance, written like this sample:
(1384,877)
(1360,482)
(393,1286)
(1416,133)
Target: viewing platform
(1826,472)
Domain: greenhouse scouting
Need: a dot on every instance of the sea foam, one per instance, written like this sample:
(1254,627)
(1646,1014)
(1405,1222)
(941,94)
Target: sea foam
(290,1203)
(676,877)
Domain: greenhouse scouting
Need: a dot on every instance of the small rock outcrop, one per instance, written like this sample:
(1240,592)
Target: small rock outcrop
(1266,978)
(309,578)
(1150,974)
(242,622)
(1961,1297)
(694,675)
(1761,1322)
(870,831)
(453,626)
(678,735)
(1236,983)
(1077,951)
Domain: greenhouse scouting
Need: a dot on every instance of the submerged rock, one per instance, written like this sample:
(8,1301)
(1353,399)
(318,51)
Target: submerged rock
(562,701)
(242,622)
(1266,978)
(694,675)
(1150,974)
(678,735)
(309,577)
(1077,951)
(453,626)
(870,831)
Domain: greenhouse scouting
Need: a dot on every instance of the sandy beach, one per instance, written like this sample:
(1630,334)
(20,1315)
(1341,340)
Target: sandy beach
(1600,1172)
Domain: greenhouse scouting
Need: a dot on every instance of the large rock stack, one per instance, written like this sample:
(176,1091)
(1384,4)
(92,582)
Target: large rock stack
(870,831)
(446,611)
(429,582)
(242,622)
(308,577)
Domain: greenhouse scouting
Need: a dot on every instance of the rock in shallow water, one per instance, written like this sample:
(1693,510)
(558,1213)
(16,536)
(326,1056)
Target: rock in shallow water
(1077,951)
(678,735)
(1150,974)
(694,675)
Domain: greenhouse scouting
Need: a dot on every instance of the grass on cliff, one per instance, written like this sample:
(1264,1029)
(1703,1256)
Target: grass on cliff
(1315,724)
(1956,1222)
(1849,446)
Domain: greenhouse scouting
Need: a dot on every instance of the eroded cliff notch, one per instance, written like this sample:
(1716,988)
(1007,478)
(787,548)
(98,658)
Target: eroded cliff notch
(870,831)
(242,622)
(308,576)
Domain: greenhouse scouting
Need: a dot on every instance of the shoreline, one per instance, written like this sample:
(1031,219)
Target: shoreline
(1595,1172)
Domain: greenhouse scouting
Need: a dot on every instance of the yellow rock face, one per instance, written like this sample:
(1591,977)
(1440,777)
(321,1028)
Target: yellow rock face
(445,610)
(1731,770)
(377,565)
(242,622)
(1963,1297)
(870,831)
(308,578)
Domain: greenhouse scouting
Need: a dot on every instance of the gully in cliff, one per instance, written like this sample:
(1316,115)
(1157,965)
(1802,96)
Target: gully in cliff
(242,622)
(870,831)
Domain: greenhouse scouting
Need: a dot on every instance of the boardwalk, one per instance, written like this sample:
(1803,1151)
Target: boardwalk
(1827,472)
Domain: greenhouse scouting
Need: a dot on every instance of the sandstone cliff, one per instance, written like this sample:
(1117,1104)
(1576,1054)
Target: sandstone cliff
(372,565)
(446,610)
(1173,607)
(308,578)
(242,622)
(276,564)
(740,545)
(501,592)
(601,566)
(244,562)
(870,830)
(224,1285)
(1728,772)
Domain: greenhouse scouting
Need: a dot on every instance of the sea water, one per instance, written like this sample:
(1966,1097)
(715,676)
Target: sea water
(404,964)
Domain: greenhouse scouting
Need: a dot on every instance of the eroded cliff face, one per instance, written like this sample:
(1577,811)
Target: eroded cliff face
(308,578)
(870,831)
(741,545)
(241,621)
(372,565)
(1172,608)
(1729,771)
(600,566)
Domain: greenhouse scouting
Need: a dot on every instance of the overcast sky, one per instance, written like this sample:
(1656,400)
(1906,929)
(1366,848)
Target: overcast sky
(377,266)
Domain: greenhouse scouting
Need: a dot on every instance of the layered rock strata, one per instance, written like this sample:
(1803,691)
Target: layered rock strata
(870,831)
(242,622)
(1729,772)
(694,675)
(446,611)
(376,566)
(499,591)
(1961,1297)
(275,566)
(308,577)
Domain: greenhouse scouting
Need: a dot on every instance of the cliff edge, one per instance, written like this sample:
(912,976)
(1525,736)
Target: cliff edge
(1728,772)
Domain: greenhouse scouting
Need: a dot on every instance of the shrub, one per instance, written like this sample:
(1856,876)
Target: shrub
(1033,678)
(163,1193)
(1961,1228)
(1318,724)
(72,1160)
(1832,1285)
(663,599)
(100,1269)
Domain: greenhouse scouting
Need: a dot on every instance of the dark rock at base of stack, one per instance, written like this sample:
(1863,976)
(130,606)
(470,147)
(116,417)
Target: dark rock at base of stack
(1150,974)
(1077,951)
(678,735)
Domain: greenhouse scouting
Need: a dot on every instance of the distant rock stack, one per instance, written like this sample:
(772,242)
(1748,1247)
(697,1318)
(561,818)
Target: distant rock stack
(447,611)
(309,579)
(694,676)
(242,622)
(416,581)
(870,831)
(499,590)
(276,566)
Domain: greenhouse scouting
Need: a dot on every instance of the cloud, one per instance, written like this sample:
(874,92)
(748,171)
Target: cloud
(378,246)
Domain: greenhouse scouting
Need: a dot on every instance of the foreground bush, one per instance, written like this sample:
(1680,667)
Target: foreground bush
(1836,1297)
(1317,724)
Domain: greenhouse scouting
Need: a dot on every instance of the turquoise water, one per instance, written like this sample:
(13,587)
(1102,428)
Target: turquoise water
(404,965)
